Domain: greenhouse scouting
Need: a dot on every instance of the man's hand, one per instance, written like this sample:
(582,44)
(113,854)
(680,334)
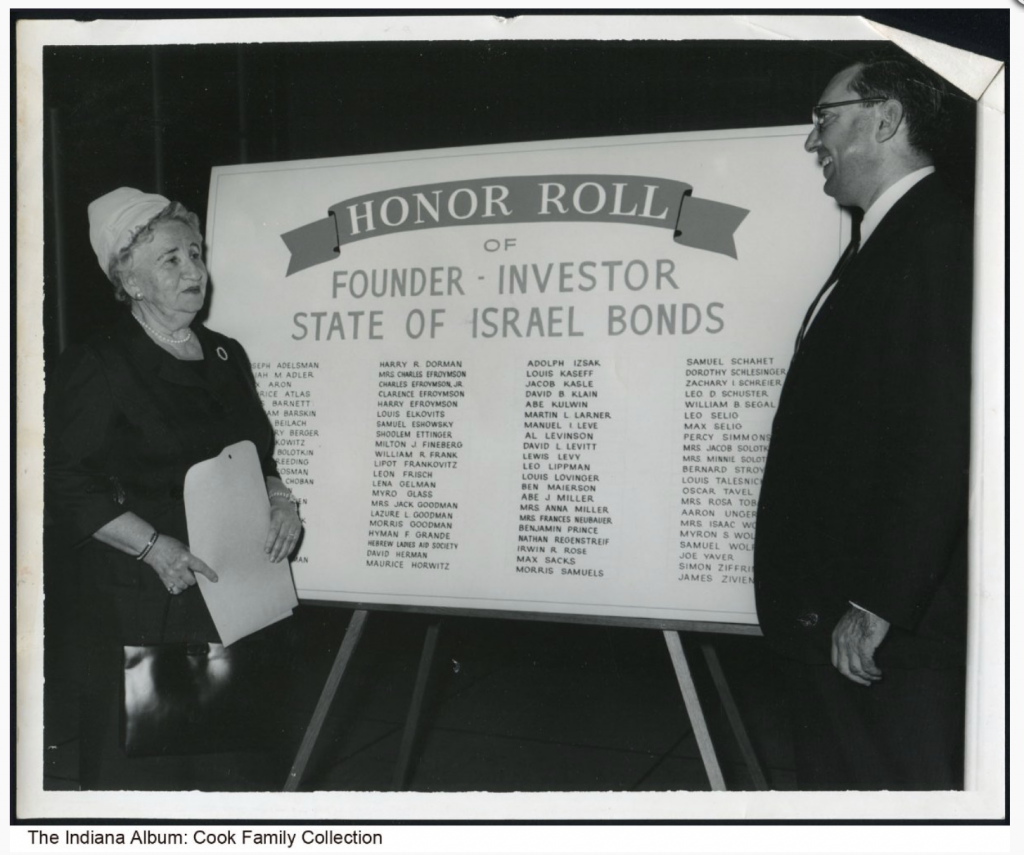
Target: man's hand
(854,641)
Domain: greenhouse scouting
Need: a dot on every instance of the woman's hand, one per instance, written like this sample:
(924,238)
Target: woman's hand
(285,528)
(175,565)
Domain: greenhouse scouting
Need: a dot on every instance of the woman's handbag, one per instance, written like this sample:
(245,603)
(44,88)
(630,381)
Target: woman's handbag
(198,698)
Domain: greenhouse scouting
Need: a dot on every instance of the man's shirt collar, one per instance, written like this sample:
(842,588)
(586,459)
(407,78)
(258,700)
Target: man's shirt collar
(873,215)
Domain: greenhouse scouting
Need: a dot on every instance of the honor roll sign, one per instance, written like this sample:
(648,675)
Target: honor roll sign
(536,377)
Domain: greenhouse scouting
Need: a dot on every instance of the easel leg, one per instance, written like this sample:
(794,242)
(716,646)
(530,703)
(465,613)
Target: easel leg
(419,694)
(316,723)
(733,714)
(693,709)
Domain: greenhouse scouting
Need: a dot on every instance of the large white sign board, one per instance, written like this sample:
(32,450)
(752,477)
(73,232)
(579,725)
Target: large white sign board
(534,377)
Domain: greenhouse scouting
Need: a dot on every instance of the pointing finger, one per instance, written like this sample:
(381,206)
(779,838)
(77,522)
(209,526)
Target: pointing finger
(198,566)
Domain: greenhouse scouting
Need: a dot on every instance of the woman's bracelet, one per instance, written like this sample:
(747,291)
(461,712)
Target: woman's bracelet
(283,494)
(148,546)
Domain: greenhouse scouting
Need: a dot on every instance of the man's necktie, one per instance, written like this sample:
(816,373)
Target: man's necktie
(837,271)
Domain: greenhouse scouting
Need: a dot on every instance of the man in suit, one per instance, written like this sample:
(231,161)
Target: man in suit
(860,560)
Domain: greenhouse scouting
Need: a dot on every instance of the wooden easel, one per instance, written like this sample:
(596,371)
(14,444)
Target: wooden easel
(413,720)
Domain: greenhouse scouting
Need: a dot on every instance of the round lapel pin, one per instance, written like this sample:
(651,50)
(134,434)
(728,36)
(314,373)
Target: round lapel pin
(222,353)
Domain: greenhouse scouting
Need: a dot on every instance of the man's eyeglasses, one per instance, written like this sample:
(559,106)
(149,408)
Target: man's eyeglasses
(818,120)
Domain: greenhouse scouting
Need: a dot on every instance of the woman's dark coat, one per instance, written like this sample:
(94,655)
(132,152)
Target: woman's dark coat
(125,421)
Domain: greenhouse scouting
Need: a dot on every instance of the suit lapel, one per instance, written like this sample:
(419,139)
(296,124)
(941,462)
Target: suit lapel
(873,251)
(895,220)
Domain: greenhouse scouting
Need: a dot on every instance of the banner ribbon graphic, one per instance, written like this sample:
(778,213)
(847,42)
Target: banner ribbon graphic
(631,199)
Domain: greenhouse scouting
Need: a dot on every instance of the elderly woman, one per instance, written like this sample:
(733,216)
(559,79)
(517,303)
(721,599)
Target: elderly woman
(131,411)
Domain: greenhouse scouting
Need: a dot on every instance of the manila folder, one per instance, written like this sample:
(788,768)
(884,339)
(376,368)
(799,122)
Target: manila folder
(228,516)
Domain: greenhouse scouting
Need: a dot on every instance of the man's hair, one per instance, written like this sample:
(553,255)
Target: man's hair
(922,94)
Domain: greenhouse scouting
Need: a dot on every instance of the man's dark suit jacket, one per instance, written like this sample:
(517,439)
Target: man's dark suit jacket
(864,495)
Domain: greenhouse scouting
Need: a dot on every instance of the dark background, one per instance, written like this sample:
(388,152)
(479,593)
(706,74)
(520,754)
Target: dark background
(159,118)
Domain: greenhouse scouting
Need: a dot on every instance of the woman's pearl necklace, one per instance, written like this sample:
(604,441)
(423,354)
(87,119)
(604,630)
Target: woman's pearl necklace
(155,334)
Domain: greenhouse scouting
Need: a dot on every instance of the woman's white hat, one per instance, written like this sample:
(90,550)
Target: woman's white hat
(115,218)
